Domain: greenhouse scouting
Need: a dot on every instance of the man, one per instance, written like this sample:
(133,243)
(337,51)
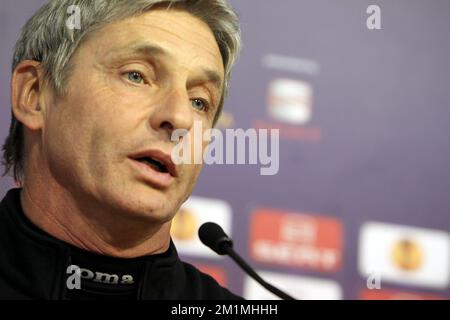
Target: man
(95,100)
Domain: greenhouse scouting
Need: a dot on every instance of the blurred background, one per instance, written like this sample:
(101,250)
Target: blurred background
(360,207)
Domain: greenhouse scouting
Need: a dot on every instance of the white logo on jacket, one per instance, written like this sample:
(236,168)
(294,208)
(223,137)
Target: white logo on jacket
(76,274)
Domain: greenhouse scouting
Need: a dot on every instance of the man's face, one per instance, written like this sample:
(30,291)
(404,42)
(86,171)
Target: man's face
(131,84)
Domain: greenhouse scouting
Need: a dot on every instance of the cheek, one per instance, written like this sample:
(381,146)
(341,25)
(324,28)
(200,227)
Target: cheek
(188,174)
(188,181)
(63,147)
(63,132)
(75,130)
(67,151)
(198,140)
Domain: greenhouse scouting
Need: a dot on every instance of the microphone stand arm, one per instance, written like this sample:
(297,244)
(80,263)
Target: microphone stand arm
(249,270)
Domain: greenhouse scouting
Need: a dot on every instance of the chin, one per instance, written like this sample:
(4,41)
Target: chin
(138,200)
(147,205)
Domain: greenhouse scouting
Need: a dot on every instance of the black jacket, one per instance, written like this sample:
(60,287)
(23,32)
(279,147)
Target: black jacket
(33,265)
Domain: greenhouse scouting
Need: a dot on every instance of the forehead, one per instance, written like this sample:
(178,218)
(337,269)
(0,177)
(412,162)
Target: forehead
(178,34)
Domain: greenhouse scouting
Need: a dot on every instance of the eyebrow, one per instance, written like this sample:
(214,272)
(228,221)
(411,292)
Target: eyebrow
(149,49)
(212,77)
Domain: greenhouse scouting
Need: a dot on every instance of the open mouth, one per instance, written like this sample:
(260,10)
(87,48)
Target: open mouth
(154,164)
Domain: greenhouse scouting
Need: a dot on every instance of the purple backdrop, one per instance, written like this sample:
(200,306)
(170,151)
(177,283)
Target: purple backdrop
(381,104)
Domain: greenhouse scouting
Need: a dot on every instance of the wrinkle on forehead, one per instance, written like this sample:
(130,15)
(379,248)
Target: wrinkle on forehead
(173,28)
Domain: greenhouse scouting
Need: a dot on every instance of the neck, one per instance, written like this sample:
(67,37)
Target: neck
(54,210)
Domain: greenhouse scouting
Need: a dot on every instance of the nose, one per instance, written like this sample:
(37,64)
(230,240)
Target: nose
(174,112)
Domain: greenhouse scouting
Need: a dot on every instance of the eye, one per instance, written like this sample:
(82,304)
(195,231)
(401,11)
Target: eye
(200,104)
(136,77)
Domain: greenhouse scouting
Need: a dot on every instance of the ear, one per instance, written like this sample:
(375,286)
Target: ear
(26,91)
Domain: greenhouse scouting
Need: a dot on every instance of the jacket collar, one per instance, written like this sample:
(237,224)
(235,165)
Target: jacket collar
(36,262)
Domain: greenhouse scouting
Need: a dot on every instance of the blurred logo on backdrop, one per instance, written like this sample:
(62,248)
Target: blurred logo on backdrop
(302,288)
(296,239)
(290,109)
(406,255)
(185,225)
(290,101)
(193,213)
(290,98)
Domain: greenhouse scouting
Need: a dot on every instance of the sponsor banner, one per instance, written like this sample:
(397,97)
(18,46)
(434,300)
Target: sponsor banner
(406,255)
(302,288)
(296,240)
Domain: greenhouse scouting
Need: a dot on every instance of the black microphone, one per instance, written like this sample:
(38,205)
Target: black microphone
(213,236)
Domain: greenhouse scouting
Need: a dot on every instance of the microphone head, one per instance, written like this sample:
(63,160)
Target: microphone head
(213,236)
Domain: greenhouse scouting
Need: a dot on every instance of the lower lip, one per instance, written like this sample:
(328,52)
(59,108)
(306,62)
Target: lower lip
(153,176)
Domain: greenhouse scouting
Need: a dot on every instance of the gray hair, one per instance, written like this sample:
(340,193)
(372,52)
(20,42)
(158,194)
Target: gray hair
(47,39)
